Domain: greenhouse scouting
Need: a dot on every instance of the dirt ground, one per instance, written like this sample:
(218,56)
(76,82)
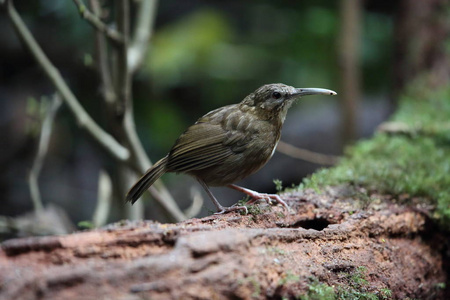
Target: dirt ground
(386,249)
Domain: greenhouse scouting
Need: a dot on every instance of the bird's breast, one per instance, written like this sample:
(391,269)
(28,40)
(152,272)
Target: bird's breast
(252,142)
(248,133)
(247,143)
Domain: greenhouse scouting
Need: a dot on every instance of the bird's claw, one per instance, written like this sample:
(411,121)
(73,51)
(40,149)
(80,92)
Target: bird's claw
(270,198)
(260,196)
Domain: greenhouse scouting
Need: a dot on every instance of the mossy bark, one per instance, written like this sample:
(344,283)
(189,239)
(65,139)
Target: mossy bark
(334,242)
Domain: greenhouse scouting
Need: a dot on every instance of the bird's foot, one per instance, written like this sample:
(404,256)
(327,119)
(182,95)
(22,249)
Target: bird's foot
(270,198)
(260,196)
(223,209)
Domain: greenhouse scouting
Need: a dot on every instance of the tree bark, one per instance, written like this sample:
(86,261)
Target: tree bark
(349,67)
(381,248)
(421,33)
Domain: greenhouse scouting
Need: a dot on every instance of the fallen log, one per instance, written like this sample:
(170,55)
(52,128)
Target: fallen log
(328,243)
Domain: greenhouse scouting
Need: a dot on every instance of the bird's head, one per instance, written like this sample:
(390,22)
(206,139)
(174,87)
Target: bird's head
(275,99)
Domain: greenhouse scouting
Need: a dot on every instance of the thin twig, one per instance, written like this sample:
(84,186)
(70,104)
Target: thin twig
(126,178)
(108,92)
(115,149)
(44,139)
(142,34)
(123,83)
(122,110)
(124,105)
(306,155)
(139,158)
(112,104)
(95,21)
(196,205)
(104,198)
(141,163)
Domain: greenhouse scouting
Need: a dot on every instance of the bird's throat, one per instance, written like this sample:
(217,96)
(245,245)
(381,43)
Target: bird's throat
(275,115)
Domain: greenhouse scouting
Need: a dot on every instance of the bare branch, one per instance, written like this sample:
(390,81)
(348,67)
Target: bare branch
(142,34)
(108,92)
(84,120)
(196,205)
(104,198)
(306,155)
(52,220)
(139,159)
(123,83)
(141,163)
(349,66)
(46,132)
(124,105)
(126,178)
(95,21)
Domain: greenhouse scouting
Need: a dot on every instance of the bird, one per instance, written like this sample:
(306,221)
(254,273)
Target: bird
(230,143)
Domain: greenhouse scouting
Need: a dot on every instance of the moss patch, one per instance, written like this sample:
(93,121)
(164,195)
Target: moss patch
(414,160)
(356,289)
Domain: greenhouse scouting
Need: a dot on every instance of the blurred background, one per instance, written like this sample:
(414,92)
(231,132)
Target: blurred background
(203,55)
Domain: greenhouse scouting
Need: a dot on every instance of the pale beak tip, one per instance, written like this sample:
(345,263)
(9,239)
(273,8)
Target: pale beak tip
(315,91)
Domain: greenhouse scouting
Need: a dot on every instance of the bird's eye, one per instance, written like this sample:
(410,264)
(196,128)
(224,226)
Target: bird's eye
(276,95)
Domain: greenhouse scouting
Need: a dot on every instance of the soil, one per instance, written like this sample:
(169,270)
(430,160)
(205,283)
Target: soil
(382,247)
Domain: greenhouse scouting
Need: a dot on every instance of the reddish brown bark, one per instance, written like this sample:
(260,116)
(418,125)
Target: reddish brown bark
(268,255)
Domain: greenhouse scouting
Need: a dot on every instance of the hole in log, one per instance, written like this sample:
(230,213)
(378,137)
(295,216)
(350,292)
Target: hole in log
(316,224)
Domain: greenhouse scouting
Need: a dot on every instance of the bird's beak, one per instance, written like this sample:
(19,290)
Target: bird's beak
(312,91)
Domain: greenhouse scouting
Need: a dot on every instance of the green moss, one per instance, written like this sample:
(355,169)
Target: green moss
(289,277)
(386,294)
(85,225)
(319,291)
(352,294)
(441,285)
(356,288)
(358,279)
(426,111)
(414,162)
(253,210)
(278,185)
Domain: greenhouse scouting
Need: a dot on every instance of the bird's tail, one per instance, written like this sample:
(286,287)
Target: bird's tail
(156,171)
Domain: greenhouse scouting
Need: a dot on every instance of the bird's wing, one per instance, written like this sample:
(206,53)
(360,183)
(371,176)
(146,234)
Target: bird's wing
(204,145)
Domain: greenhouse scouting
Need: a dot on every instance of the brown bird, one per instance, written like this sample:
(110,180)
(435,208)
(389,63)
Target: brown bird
(230,143)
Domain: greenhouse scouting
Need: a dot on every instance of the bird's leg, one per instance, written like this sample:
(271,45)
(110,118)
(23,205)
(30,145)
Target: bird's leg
(257,196)
(220,209)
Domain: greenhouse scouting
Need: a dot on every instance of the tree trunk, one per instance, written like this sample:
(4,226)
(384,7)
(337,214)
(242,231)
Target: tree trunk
(422,32)
(349,67)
